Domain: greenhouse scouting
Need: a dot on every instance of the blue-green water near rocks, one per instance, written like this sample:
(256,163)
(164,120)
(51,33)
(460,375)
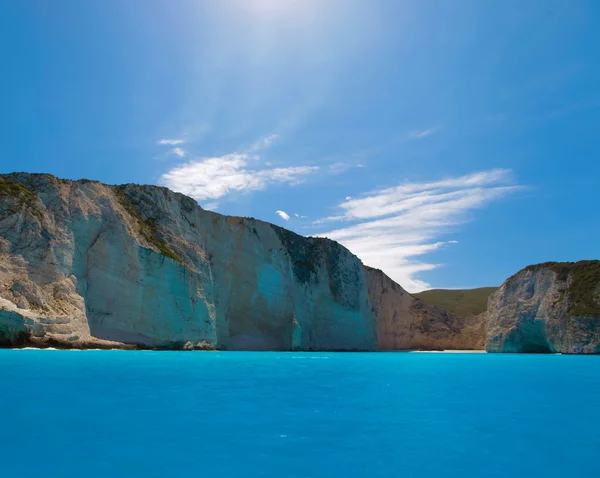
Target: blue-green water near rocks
(233,414)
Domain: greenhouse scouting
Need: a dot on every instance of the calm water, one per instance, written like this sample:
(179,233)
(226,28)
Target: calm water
(167,414)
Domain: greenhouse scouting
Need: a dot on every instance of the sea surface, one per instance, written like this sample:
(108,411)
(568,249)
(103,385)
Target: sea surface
(236,414)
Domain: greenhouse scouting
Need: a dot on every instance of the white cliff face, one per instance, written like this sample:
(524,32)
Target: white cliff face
(83,264)
(87,264)
(553,307)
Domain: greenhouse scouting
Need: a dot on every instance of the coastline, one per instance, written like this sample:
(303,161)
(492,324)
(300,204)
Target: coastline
(446,351)
(449,351)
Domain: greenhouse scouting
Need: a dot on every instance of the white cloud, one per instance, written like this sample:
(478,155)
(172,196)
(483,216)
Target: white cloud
(283,215)
(340,167)
(212,178)
(420,134)
(171,142)
(178,152)
(191,134)
(392,226)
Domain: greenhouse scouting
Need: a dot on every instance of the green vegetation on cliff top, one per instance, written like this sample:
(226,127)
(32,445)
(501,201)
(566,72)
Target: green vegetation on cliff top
(458,302)
(21,196)
(148,228)
(584,286)
(17,191)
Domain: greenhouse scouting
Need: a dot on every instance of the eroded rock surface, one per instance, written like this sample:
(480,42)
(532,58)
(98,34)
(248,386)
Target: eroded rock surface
(83,264)
(404,322)
(551,307)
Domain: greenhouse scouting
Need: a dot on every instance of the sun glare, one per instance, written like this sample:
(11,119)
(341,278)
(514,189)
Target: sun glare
(274,8)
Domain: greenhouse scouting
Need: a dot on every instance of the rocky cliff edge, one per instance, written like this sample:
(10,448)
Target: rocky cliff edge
(84,264)
(547,308)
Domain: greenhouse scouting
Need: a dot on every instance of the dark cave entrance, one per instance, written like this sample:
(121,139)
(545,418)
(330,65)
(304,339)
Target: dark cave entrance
(532,337)
(536,348)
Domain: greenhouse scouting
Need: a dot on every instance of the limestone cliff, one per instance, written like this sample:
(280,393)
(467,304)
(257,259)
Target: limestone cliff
(83,264)
(404,322)
(551,307)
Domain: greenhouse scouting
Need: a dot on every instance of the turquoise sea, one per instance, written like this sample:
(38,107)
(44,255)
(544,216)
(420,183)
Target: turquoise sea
(235,414)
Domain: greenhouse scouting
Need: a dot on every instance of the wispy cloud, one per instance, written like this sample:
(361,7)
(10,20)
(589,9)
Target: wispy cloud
(212,178)
(171,142)
(283,215)
(341,167)
(420,134)
(392,226)
(192,134)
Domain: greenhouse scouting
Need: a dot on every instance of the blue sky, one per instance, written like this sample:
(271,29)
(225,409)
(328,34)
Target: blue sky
(449,143)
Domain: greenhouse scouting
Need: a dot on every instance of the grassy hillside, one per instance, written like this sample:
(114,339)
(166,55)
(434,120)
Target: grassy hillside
(458,302)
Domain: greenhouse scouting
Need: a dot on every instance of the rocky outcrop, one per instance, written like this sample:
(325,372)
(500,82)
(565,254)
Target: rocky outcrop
(551,307)
(404,322)
(83,264)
